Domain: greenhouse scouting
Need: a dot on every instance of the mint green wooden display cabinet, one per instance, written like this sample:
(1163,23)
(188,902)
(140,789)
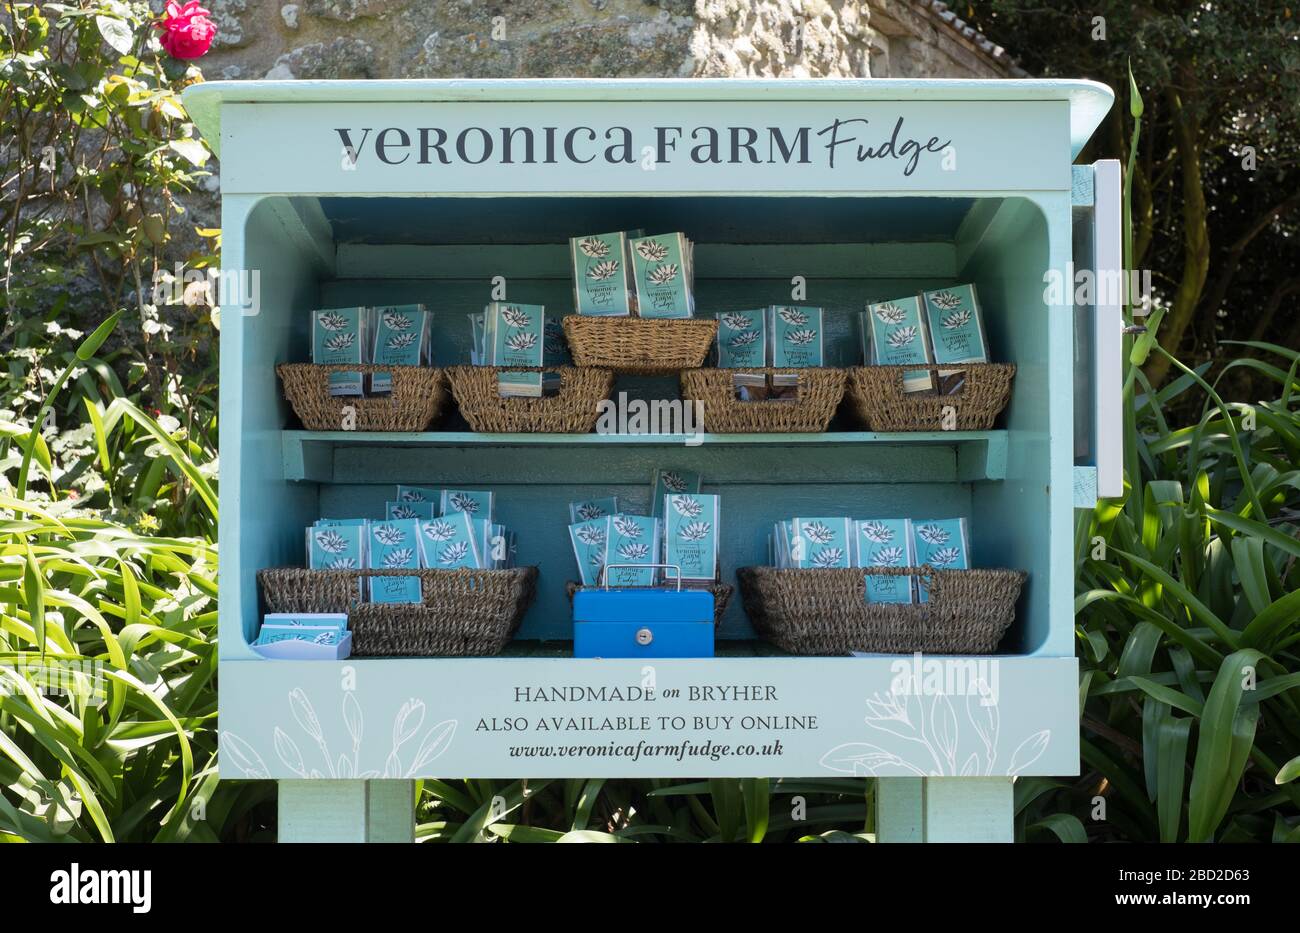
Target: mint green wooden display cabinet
(348,193)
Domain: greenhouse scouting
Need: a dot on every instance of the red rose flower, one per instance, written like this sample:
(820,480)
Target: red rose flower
(186,30)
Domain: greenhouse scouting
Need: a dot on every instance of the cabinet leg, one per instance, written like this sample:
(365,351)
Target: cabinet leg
(347,811)
(969,810)
(899,813)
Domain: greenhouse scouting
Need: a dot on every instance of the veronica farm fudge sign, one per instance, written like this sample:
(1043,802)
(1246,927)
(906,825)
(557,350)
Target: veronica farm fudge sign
(640,145)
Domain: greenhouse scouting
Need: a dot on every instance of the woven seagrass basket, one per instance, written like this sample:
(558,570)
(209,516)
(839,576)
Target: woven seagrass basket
(463,613)
(876,396)
(572,410)
(639,346)
(418,396)
(825,612)
(721,596)
(820,391)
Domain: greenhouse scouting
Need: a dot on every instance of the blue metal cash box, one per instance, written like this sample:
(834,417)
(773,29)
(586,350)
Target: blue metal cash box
(642,622)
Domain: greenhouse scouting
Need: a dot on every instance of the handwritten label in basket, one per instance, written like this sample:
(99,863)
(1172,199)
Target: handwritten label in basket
(395,589)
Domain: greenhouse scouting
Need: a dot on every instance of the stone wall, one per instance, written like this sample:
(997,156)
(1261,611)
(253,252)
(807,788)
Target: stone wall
(595,38)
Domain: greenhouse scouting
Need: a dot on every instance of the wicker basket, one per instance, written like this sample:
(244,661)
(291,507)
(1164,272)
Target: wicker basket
(876,396)
(640,346)
(464,613)
(721,596)
(820,391)
(418,396)
(823,612)
(572,410)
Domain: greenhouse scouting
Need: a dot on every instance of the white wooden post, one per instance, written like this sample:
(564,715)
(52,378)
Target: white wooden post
(944,810)
(347,811)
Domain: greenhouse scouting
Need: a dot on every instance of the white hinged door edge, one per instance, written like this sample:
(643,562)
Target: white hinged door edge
(1108,328)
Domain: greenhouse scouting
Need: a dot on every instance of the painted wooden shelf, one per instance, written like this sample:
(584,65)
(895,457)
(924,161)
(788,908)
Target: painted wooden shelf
(380,457)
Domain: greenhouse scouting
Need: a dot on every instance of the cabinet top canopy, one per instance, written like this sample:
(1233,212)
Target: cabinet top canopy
(1089,101)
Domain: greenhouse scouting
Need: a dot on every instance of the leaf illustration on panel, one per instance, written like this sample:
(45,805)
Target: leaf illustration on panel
(801,337)
(745,339)
(521,341)
(793,316)
(395,321)
(897,714)
(890,313)
(434,744)
(411,495)
(589,510)
(342,563)
(594,247)
(663,274)
(943,725)
(401,512)
(305,714)
(407,722)
(863,759)
(243,756)
(984,715)
(602,271)
(652,250)
(930,724)
(902,337)
(1029,751)
(287,751)
(634,551)
(401,341)
(946,301)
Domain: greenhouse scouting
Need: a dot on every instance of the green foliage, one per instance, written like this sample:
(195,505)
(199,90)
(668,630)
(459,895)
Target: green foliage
(100,147)
(107,662)
(1188,615)
(1216,210)
(718,810)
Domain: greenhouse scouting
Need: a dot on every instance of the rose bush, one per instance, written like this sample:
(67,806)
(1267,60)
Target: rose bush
(186,30)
